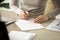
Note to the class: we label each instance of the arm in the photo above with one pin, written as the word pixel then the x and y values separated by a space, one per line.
pixel 14 7
pixel 54 13
pixel 45 17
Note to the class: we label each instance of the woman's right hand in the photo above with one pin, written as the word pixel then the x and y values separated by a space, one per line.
pixel 24 15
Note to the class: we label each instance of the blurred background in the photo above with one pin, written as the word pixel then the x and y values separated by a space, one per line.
pixel 49 5
pixel 5 4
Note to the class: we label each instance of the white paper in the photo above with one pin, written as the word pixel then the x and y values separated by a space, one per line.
pixel 17 35
pixel 7 20
pixel 55 25
pixel 58 16
pixel 28 24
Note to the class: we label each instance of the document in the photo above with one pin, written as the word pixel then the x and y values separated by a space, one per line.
pixel 55 25
pixel 7 20
pixel 28 24
pixel 17 35
pixel 58 16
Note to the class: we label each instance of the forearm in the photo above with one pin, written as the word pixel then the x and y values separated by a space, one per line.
pixel 54 13
pixel 14 7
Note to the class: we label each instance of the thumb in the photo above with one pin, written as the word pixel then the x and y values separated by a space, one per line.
pixel 27 13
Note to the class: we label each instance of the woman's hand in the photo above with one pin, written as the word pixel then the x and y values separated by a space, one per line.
pixel 24 15
pixel 41 18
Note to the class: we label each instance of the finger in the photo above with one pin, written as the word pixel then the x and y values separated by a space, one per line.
pixel 21 16
pixel 41 20
pixel 24 17
pixel 23 12
pixel 37 19
pixel 27 13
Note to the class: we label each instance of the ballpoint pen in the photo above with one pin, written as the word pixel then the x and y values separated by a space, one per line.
pixel 0 16
pixel 10 23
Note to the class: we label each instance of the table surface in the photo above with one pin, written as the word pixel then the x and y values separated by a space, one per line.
pixel 42 34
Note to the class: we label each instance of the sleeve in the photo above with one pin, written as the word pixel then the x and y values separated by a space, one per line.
pixel 54 13
pixel 14 7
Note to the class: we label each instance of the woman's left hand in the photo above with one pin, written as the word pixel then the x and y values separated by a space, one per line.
pixel 41 18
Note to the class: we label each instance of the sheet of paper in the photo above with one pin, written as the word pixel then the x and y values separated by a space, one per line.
pixel 28 24
pixel 55 25
pixel 58 16
pixel 17 35
pixel 7 20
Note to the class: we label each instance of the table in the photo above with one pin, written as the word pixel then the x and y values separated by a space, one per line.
pixel 42 34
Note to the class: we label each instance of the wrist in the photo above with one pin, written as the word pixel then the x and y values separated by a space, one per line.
pixel 47 16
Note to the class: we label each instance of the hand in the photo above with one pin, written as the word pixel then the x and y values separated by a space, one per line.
pixel 24 15
pixel 41 18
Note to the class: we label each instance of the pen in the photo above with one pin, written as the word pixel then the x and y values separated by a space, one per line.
pixel 10 23
pixel 0 16
pixel 24 11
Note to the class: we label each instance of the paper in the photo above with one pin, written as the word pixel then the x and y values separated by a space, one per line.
pixel 55 25
pixel 17 35
pixel 7 20
pixel 58 16
pixel 28 24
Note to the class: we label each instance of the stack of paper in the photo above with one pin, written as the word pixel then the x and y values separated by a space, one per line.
pixel 28 25
pixel 55 25
pixel 17 35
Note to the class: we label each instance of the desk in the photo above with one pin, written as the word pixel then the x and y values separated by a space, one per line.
pixel 42 34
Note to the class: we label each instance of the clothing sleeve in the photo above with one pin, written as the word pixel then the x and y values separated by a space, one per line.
pixel 54 13
pixel 13 6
